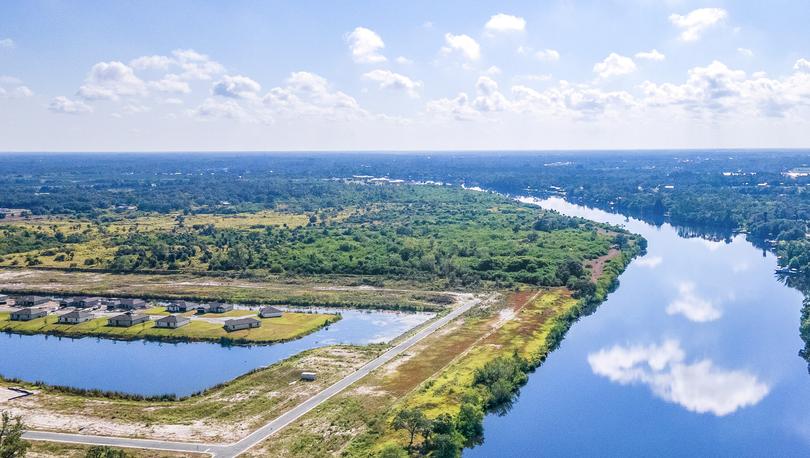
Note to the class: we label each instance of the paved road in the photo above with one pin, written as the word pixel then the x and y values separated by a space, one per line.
pixel 249 441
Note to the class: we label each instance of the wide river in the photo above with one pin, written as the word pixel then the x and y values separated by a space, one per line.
pixel 154 368
pixel 695 354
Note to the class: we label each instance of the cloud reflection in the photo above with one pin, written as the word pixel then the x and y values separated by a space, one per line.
pixel 692 306
pixel 698 387
pixel 650 261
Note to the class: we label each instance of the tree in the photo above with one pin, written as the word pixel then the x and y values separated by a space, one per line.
pixel 12 444
pixel 411 420
pixel 392 451
pixel 470 423
pixel 104 451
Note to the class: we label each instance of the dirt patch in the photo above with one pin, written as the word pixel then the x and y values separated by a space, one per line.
pixel 598 265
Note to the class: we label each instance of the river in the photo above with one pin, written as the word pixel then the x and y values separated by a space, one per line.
pixel 156 368
pixel 695 354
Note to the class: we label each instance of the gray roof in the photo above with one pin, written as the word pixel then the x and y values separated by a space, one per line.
pixel 77 314
pixel 128 316
pixel 133 301
pixel 30 311
pixel 242 321
pixel 173 319
pixel 270 309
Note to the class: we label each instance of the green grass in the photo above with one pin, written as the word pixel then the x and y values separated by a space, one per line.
pixel 289 326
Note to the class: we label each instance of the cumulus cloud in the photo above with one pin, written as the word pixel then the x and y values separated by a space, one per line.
pixel 365 46
pixel 196 66
pixel 309 94
pixel 505 23
pixel 236 87
pixel 653 55
pixel 151 63
pixel 463 44
pixel 65 105
pixel 111 80
pixel 402 60
pixel 13 88
pixel 547 55
pixel 698 387
pixel 698 21
pixel 692 306
pixel 745 52
pixel 171 83
pixel 390 80
pixel 7 43
pixel 614 65
pixel 802 65
pixel 228 109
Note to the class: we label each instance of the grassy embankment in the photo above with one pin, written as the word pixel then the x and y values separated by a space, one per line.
pixel 289 326
pixel 438 374
pixel 40 449
pixel 223 413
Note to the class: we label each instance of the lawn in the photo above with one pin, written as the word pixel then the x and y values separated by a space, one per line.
pixel 287 327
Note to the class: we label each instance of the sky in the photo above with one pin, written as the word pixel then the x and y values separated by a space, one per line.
pixel 393 76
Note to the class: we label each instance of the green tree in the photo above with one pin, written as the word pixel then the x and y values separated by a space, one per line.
pixel 411 420
pixel 470 423
pixel 392 451
pixel 12 444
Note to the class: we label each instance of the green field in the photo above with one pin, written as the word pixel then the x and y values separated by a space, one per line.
pixel 287 327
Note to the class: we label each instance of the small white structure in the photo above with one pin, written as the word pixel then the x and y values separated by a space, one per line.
pixel 308 376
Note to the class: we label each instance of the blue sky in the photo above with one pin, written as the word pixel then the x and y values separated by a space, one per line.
pixel 250 75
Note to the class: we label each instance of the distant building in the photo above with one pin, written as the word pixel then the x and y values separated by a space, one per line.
pixel 75 317
pixel 32 301
pixel 172 322
pixel 308 376
pixel 28 314
pixel 203 308
pixel 242 323
pixel 127 319
pixel 3 299
pixel 269 312
pixel 132 304
pixel 88 302
pixel 181 306
pixel 219 307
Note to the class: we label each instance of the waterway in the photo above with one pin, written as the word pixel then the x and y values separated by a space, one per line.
pixel 695 354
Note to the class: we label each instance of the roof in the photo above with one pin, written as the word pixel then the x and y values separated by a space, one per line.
pixel 128 316
pixel 77 314
pixel 270 309
pixel 173 319
pixel 242 321
pixel 132 301
pixel 33 299
pixel 30 311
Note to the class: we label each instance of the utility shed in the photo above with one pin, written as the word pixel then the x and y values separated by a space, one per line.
pixel 75 317
pixel 127 319
pixel 308 376
pixel 172 322
pixel 28 314
pixel 241 323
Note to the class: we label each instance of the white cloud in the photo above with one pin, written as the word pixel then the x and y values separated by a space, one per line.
pixel 63 104
pixel 698 387
pixel 463 44
pixel 505 23
pixel 402 60
pixel 692 306
pixel 309 94
pixel 151 63
pixel 365 45
pixel 650 261
pixel 493 71
pixel 547 55
pixel 236 87
pixel 390 80
pixel 196 66
pixel 802 65
pixel 698 21
pixel 212 108
pixel 13 88
pixel 653 55
pixel 614 65
pixel 111 80
pixel 171 83
pixel 7 43
pixel 745 52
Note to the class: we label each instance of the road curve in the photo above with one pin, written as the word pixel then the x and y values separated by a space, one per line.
pixel 274 426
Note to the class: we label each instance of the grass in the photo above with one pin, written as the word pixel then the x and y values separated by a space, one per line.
pixel 287 327
pixel 62 450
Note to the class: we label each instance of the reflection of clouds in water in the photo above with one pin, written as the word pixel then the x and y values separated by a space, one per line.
pixel 650 261
pixel 740 266
pixel 692 306
pixel 698 387
pixel 709 244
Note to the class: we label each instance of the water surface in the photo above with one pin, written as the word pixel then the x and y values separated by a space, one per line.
pixel 695 354
pixel 155 368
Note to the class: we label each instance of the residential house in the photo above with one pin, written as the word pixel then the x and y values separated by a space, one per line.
pixel 132 304
pixel 181 306
pixel 172 321
pixel 28 314
pixel 89 302
pixel 242 323
pixel 269 312
pixel 127 319
pixel 32 301
pixel 3 299
pixel 203 308
pixel 219 307
pixel 75 317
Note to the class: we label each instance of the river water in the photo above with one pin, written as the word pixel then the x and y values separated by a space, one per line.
pixel 156 368
pixel 695 354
